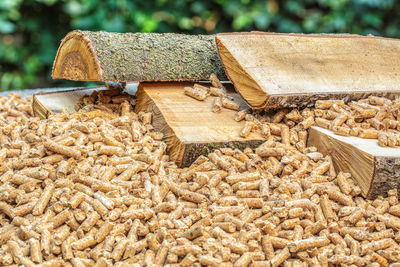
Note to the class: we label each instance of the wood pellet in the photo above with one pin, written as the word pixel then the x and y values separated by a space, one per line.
pixel 101 191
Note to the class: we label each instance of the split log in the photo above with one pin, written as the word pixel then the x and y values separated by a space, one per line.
pixel 105 56
pixel 46 103
pixel 376 169
pixel 189 126
pixel 294 70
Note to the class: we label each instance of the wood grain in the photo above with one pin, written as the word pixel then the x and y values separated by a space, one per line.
pixel 287 70
pixel 45 103
pixel 375 169
pixel 189 126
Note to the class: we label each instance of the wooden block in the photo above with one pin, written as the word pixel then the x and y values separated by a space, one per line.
pixel 292 70
pixel 106 56
pixel 44 103
pixel 376 169
pixel 189 126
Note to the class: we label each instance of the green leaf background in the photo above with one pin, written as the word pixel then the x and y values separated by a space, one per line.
pixel 31 30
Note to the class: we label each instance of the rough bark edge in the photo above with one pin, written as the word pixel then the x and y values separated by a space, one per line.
pixel 83 38
pixel 308 100
pixel 193 151
pixel 386 176
pixel 312 35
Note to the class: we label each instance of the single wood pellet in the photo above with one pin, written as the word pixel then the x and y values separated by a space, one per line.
pixel 221 100
pixel 100 191
pixel 198 93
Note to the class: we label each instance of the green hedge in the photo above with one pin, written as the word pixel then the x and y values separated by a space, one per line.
pixel 31 30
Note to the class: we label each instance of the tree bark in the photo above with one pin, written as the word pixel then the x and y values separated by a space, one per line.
pixel 105 56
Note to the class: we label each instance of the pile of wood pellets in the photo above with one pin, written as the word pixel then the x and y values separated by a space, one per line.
pixel 370 118
pixel 95 188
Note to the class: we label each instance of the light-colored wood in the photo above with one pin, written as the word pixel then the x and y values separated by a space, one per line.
pixel 44 103
pixel 287 70
pixel 376 169
pixel 77 60
pixel 106 56
pixel 189 126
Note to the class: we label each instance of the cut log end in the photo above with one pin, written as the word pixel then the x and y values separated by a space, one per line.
pixel 76 59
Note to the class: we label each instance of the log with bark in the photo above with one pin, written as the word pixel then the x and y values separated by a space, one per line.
pixel 375 169
pixel 189 126
pixel 105 56
pixel 293 70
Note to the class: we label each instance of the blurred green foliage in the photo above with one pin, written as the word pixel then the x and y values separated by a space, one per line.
pixel 31 30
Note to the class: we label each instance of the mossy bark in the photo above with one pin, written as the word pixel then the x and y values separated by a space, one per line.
pixel 387 176
pixel 105 56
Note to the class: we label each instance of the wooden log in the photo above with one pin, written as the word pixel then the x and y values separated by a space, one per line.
pixel 375 169
pixel 189 126
pixel 294 70
pixel 105 56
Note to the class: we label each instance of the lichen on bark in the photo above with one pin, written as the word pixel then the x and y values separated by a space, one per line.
pixel 155 57
pixel 194 150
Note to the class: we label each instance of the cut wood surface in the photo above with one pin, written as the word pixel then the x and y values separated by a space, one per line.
pixel 288 70
pixel 105 56
pixel 376 169
pixel 189 126
pixel 43 103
